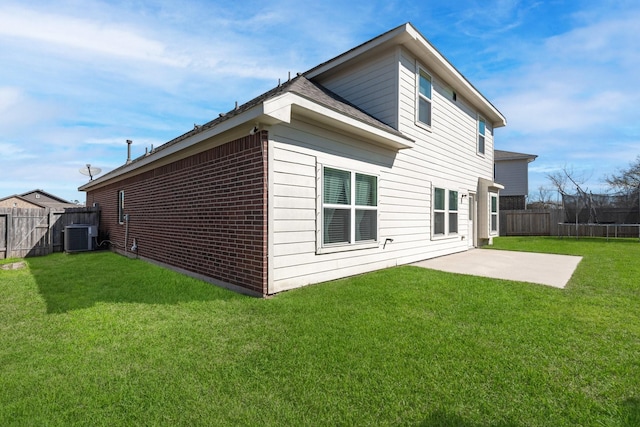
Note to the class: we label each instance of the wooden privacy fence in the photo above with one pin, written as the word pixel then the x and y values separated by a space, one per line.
pixel 531 222
pixel 36 232
pixel 550 222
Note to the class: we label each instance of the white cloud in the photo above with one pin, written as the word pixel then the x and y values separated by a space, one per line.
pixel 9 97
pixel 85 34
pixel 19 111
pixel 84 79
pixel 139 48
pixel 572 99
pixel 488 19
pixel 576 81
pixel 13 152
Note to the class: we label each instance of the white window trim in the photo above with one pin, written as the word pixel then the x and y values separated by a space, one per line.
pixel 321 248
pixel 493 232
pixel 420 69
pixel 484 135
pixel 121 207
pixel 446 211
pixel 450 211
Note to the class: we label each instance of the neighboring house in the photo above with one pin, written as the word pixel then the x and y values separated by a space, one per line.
pixel 17 201
pixel 512 171
pixel 379 157
pixel 35 199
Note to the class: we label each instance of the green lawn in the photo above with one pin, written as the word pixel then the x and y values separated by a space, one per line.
pixel 97 339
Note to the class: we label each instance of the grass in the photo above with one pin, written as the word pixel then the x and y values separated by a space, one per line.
pixel 98 339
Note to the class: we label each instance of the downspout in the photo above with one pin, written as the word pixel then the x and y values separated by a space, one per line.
pixel 126 232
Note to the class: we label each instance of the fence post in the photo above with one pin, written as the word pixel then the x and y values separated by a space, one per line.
pixel 4 227
pixel 9 234
pixel 50 232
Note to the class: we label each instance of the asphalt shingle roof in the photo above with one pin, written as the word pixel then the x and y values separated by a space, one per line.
pixel 299 85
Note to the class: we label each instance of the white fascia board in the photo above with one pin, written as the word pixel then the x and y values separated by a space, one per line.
pixel 407 35
pixel 444 69
pixel 335 119
pixel 277 110
pixel 270 112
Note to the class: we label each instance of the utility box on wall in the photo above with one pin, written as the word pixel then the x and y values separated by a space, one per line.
pixel 80 237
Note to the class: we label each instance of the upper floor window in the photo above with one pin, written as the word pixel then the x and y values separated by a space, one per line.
pixel 481 132
pixel 121 206
pixel 424 98
pixel 349 207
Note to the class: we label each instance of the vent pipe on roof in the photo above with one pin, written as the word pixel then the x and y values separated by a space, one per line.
pixel 129 142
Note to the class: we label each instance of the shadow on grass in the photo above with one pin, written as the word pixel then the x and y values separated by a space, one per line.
pixel 631 412
pixel 443 418
pixel 629 409
pixel 70 282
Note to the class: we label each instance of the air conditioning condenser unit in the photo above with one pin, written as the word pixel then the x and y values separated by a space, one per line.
pixel 80 237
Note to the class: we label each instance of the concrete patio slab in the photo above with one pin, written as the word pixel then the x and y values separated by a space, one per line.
pixel 544 269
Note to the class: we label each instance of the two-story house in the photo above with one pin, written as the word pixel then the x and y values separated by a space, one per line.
pixel 379 157
pixel 512 172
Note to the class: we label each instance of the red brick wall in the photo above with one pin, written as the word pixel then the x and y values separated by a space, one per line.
pixel 206 213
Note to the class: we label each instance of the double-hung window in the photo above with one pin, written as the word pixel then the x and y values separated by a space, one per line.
pixel 349 207
pixel 445 212
pixel 494 212
pixel 424 98
pixel 439 211
pixel 453 212
pixel 482 127
pixel 121 207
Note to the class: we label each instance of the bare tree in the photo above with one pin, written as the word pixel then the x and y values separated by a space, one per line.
pixel 626 181
pixel 543 198
pixel 562 179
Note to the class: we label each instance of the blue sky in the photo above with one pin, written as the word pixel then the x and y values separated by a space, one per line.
pixel 79 77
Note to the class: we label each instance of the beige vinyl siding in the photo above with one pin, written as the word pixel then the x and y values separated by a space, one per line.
pixel 372 86
pixel 403 197
pixel 444 156
pixel 449 147
pixel 513 174
pixel 294 217
pixel 446 152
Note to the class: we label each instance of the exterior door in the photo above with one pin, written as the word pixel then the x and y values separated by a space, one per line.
pixel 471 222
